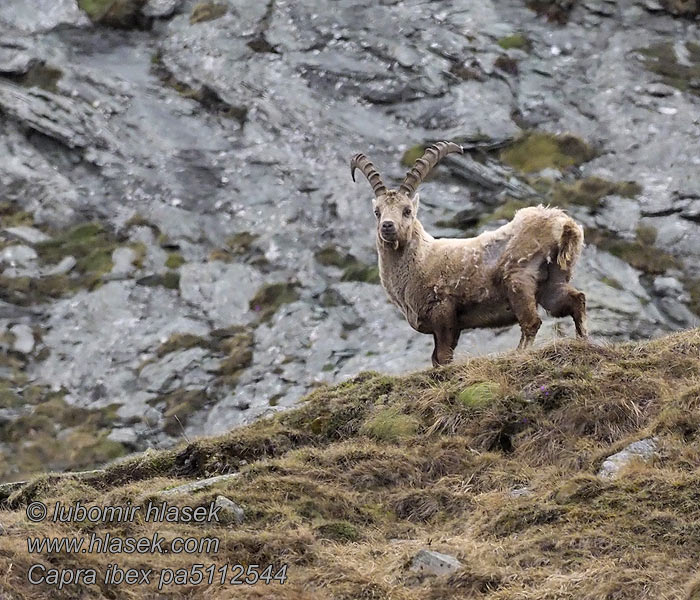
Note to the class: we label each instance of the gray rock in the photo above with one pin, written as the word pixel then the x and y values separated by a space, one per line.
pixel 230 511
pixel 160 8
pixel 196 486
pixel 18 255
pixel 520 492
pixel 660 90
pixel 692 210
pixel 174 371
pixel 221 290
pixel 124 435
pixel 65 265
pixel 123 259
pixel 668 286
pixel 429 562
pixel 641 450
pixel 27 234
pixel 24 338
pixel 653 5
pixel 35 16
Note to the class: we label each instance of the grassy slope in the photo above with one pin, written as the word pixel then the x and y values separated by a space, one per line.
pixel 350 485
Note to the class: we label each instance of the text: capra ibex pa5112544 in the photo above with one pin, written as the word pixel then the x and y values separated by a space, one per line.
pixel 444 286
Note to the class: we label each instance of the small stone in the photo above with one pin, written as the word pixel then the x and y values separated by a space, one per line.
pixel 123 259
pixel 653 5
pixel 123 435
pixel 668 110
pixel 160 8
pixel 434 563
pixel 196 486
pixel 30 235
pixel 668 286
pixel 642 449
pixel 551 173
pixel 519 492
pixel 18 255
pixel 660 90
pixel 66 265
pixel 24 338
pixel 692 211
pixel 230 511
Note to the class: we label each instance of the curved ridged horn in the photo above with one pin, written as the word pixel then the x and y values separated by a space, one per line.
pixel 419 171
pixel 360 161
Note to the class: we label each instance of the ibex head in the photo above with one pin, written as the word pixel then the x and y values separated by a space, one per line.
pixel 396 209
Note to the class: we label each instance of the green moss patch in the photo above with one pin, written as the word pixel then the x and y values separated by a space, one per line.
pixel 90 244
pixel 178 406
pixel 661 59
pixel 340 531
pixel 412 155
pixel 270 297
pixel 640 252
pixel 51 434
pixel 353 269
pixel 516 40
pixel 590 191
pixel 390 425
pixel 237 345
pixel 207 11
pixel 478 395
pixel 114 13
pixel 174 260
pixel 537 150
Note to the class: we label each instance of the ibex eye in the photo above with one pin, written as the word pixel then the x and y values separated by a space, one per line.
pixel 406 212
pixel 376 212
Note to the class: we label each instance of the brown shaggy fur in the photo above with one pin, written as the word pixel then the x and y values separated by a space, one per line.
pixel 444 286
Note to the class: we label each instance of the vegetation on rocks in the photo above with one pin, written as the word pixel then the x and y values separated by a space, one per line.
pixel 370 471
pixel 50 434
pixel 39 75
pixel 641 252
pixel 114 13
pixel 663 60
pixel 537 150
pixel 270 297
pixel 207 11
pixel 516 40
pixel 353 269
pixel 558 11
pixel 89 244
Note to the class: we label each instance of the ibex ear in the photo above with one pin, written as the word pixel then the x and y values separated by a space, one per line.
pixel 416 203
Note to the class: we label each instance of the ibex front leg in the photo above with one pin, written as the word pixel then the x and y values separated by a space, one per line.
pixel 446 339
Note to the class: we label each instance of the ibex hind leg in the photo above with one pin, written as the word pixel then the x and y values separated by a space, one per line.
pixel 561 299
pixel 521 296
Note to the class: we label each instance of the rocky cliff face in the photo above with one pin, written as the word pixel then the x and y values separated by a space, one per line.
pixel 183 249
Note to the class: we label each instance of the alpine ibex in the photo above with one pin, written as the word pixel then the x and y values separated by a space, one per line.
pixel 498 278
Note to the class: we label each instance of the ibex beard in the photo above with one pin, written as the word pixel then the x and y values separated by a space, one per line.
pixel 444 286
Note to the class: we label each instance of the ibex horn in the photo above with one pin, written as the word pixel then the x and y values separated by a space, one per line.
pixel 360 161
pixel 419 171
